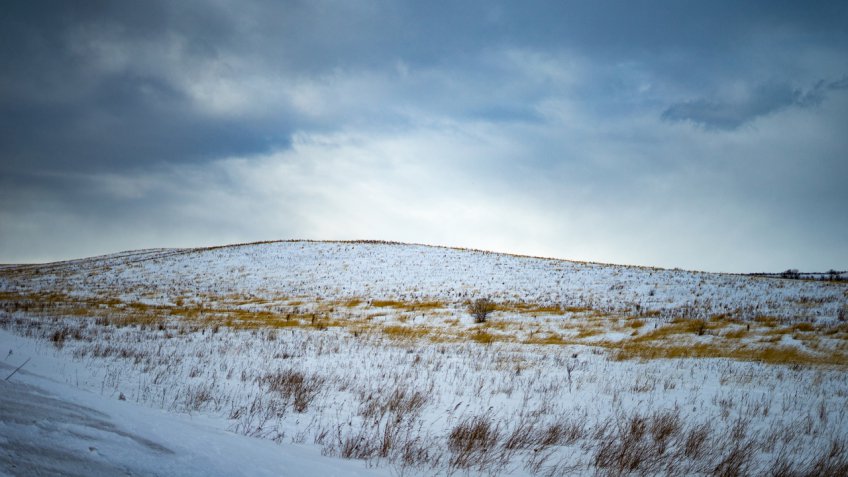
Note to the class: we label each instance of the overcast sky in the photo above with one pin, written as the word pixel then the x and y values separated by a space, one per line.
pixel 704 135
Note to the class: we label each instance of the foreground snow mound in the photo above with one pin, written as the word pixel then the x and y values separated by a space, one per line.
pixel 51 429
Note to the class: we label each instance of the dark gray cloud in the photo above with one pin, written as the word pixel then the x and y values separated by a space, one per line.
pixel 730 114
pixel 61 107
pixel 98 84
pixel 170 123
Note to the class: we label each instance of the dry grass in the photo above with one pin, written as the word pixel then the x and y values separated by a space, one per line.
pixel 388 303
pixel 390 412
pixel 537 309
pixel 405 332
pixel 352 303
pixel 410 306
pixel 680 327
pixel 735 334
pixel 804 327
pixel 483 337
pixel 762 339
pixel 294 385
pixel 588 332
pixel 771 354
pixel 547 339
pixel 402 403
pixel 420 387
pixel 472 442
pixel 769 321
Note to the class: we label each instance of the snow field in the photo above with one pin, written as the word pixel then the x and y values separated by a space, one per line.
pixel 500 408
pixel 366 351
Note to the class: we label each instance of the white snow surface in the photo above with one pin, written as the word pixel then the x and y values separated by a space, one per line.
pixel 48 427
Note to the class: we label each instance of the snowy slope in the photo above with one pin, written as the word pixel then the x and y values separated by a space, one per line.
pixel 339 270
pixel 366 351
pixel 51 428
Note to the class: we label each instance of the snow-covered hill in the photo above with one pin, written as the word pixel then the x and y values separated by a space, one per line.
pixel 389 271
pixel 367 351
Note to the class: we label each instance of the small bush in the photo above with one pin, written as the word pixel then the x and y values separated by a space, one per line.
pixel 480 309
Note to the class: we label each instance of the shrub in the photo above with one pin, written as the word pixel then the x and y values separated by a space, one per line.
pixel 480 309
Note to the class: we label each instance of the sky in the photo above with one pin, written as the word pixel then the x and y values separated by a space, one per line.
pixel 700 135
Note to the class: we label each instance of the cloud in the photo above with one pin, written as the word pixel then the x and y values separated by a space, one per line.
pixel 546 127
pixel 94 87
pixel 731 113
pixel 481 184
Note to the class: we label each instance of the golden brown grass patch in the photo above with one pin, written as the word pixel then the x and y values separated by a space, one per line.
pixel 424 305
pixel 484 337
pixel 588 332
pixel 769 321
pixel 804 327
pixel 407 306
pixel 536 308
pixel 779 331
pixel 676 327
pixel 387 304
pixel 735 334
pixel 139 319
pixel 352 303
pixel 502 325
pixel 772 354
pixel 548 339
pixel 405 332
